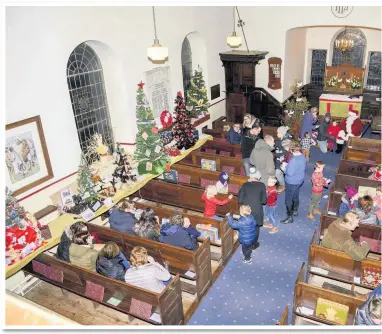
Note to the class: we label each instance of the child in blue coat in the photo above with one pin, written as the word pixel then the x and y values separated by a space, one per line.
pixel 234 134
pixel 246 225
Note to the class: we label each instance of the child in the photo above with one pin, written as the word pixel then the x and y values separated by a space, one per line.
pixel 122 217
pixel 179 233
pixel 305 145
pixel 234 134
pixel 377 209
pixel 332 132
pixel 340 141
pixel 211 202
pixel 246 225
pixel 364 211
pixel 270 208
pixel 376 176
pixel 222 184
pixel 350 203
pixel 318 183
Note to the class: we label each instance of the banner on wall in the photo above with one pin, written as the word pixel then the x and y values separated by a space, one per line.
pixel 274 73
pixel 158 89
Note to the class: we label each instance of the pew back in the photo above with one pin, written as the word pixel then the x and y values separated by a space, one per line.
pixel 365 144
pixel 362 156
pixel 343 180
pixel 348 167
pixel 222 148
pixel 77 280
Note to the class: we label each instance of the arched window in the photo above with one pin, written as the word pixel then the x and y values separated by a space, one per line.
pixel 88 96
pixel 186 64
pixel 356 55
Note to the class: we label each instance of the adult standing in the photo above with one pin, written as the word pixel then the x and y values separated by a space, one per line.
pixel 294 178
pixel 308 122
pixel 282 133
pixel 322 138
pixel 351 126
pixel 248 142
pixel 254 194
pixel 262 158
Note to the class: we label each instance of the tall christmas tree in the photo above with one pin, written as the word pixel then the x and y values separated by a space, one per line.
pixel 196 99
pixel 149 147
pixel 183 131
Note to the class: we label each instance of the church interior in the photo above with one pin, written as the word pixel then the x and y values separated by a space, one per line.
pixel 192 166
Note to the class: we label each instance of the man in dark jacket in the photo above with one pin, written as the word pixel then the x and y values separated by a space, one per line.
pixel 122 220
pixel 248 142
pixel 179 233
pixel 254 194
pixel 322 137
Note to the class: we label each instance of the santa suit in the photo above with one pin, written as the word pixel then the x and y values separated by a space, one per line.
pixel 352 125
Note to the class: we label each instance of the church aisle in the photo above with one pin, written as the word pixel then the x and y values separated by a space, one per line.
pixel 257 294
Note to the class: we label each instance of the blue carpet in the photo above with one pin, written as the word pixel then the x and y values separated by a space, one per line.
pixel 257 294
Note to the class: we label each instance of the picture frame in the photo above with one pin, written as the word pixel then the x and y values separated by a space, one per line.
pixel 26 155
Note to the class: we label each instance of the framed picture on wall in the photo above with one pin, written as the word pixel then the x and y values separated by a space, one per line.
pixel 26 155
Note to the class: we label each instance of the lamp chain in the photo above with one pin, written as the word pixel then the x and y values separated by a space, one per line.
pixel 241 23
pixel 234 25
pixel 155 26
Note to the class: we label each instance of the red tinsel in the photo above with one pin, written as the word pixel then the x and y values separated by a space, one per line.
pixel 172 151
pixel 166 114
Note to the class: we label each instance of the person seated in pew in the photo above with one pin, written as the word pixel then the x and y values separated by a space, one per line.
pixel 364 211
pixel 111 262
pixel 377 208
pixel 338 237
pixel 376 173
pixel 211 202
pixel 369 313
pixel 179 232
pixel 82 252
pixel 246 225
pixel 349 201
pixel 145 272
pixel 122 217
pixel 66 240
pixel 148 225
pixel 234 134
pixel 222 184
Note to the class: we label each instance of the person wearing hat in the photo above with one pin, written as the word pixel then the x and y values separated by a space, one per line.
pixel 349 201
pixel 322 138
pixel 254 194
pixel 352 125
pixel 222 184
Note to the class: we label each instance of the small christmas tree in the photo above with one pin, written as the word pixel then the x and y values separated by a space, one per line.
pixel 14 212
pixel 196 99
pixel 124 171
pixel 85 185
pixel 149 147
pixel 183 131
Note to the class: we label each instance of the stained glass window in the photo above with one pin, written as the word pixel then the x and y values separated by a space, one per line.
pixel 373 81
pixel 88 96
pixel 317 73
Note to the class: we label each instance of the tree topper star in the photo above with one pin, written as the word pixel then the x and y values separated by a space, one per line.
pixel 140 85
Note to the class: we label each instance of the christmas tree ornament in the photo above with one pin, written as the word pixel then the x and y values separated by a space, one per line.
pixel 154 130
pixel 148 153
pixel 145 135
pixel 157 149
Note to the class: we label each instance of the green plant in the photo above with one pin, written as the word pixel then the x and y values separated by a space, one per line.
pixel 355 83
pixel 296 106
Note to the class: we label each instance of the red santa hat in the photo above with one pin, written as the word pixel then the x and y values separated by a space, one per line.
pixel 352 112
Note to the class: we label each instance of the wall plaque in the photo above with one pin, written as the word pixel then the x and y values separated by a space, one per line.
pixel 274 73
pixel 158 89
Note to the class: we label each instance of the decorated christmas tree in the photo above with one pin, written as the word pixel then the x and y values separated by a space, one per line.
pixel 85 185
pixel 14 212
pixel 183 131
pixel 149 147
pixel 196 99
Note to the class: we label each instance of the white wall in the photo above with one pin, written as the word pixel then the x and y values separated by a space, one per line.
pixel 39 41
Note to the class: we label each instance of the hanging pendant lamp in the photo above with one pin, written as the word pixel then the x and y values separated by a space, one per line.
pixel 157 52
pixel 234 41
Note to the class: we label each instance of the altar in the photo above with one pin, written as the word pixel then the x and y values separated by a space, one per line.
pixel 339 105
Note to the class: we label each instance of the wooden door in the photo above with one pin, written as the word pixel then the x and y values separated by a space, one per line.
pixel 236 107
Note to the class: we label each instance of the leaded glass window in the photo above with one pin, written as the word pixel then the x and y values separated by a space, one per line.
pixel 373 81
pixel 88 96
pixel 317 74
pixel 186 64
pixel 356 55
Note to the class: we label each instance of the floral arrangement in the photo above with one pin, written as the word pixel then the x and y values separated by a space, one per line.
pixel 333 81
pixel 355 83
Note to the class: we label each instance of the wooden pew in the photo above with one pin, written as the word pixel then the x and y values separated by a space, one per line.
pixel 343 180
pixel 201 177
pixel 368 231
pixel 219 125
pixel 348 167
pixel 306 295
pixel 365 144
pixel 228 164
pixel 180 260
pixel 340 266
pixel 284 318
pixel 180 195
pixel 222 148
pixel 362 156
pixel 168 303
pixel 226 234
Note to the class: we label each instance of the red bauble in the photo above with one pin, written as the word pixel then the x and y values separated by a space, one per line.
pixel 180 94
pixel 154 130
pixel 168 167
